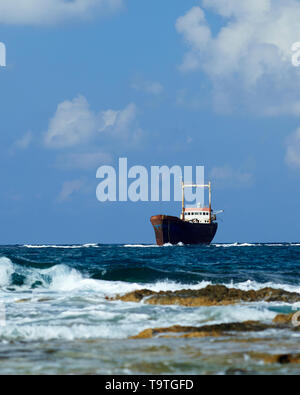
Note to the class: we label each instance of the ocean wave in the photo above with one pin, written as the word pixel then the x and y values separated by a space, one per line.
pixel 66 279
pixel 255 244
pixel 61 246
pixel 153 245
pixel 110 321
pixel 63 278
pixel 180 244
pixel 59 332
pixel 120 325
pixel 237 245
pixel 140 245
pixel 225 245
pixel 6 271
pixel 63 303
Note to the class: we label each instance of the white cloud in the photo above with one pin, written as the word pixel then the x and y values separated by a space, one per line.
pixel 195 30
pixel 38 12
pixel 74 124
pixel 122 125
pixel 226 176
pixel 88 139
pixel 24 142
pixel 251 8
pixel 109 118
pixel 249 59
pixel 292 156
pixel 69 188
pixel 83 160
pixel 119 122
pixel 151 87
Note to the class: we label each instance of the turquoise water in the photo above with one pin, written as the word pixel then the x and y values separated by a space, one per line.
pixel 58 319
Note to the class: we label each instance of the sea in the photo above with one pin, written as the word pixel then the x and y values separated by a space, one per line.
pixel 58 313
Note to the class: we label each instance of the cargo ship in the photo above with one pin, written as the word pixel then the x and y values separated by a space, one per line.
pixel 195 226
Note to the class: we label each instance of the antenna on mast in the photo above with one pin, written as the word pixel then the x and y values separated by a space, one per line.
pixel 196 186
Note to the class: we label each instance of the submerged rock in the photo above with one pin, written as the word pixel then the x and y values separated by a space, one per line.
pixel 281 321
pixel 205 330
pixel 41 300
pixel 23 300
pixel 283 318
pixel 212 295
pixel 277 358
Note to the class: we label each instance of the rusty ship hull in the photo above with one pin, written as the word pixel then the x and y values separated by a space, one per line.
pixel 173 230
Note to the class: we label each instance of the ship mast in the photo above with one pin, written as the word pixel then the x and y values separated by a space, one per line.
pixel 182 185
pixel 196 186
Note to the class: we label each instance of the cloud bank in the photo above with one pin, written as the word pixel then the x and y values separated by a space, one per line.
pixel 248 61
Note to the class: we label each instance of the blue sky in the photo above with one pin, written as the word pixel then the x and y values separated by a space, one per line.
pixel 182 82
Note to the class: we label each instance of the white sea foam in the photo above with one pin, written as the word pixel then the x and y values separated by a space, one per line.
pixel 236 245
pixel 90 245
pixel 282 245
pixel 153 245
pixel 6 270
pixel 140 245
pixel 63 332
pixel 95 245
pixel 66 279
pixel 256 244
pixel 60 245
pixel 256 286
pixel 180 244
pixel 110 321
pixel 243 286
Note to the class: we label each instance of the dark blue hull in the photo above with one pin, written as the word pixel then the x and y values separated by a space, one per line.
pixel 173 230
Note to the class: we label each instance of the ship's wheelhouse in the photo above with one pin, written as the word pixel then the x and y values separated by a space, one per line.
pixel 197 215
pixel 203 215
pixel 200 215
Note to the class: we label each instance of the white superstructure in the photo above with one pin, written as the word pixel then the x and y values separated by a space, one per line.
pixel 203 215
pixel 197 215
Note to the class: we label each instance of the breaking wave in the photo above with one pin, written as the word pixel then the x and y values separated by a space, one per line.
pixel 63 278
pixel 61 292
pixel 256 245
pixel 61 246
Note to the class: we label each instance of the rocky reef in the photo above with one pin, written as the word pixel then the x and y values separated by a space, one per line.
pixel 212 295
pixel 281 321
pixel 234 332
pixel 282 359
pixel 202 331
